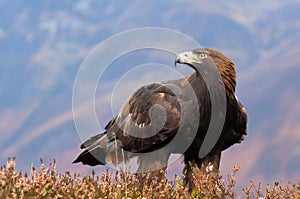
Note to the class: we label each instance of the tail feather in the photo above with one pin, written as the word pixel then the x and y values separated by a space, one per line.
pixel 95 152
pixel 92 140
pixel 92 158
pixel 100 151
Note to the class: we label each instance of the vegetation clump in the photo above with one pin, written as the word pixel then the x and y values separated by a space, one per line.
pixel 46 183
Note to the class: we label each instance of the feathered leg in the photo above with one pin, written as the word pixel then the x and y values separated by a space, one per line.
pixel 207 164
pixel 188 176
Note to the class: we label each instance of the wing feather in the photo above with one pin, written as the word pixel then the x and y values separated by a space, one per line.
pixel 239 126
pixel 133 123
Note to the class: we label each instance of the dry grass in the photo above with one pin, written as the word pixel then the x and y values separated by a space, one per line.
pixel 46 183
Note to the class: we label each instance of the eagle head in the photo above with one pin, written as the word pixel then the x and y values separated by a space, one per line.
pixel 207 61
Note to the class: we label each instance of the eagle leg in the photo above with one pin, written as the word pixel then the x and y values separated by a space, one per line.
pixel 210 163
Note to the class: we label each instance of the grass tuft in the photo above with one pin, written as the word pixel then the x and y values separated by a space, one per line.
pixel 45 182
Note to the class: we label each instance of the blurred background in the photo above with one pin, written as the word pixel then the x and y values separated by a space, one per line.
pixel 43 43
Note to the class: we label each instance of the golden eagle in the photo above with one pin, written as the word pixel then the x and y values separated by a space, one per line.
pixel 139 128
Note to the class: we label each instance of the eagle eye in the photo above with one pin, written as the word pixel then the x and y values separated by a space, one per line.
pixel 202 55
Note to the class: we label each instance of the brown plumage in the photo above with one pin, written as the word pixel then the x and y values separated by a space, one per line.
pixel 140 129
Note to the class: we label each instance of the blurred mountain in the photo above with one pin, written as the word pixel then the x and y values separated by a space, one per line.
pixel 43 43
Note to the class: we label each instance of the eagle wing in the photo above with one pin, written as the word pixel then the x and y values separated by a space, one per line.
pixel 239 130
pixel 148 121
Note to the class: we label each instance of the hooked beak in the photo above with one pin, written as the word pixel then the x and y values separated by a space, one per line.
pixel 184 58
